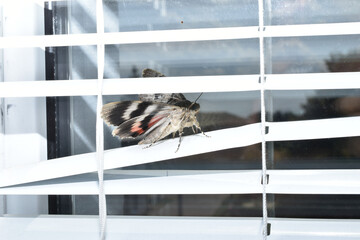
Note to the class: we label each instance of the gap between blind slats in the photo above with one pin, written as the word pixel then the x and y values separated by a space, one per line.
pixel 182 35
pixel 191 145
pixel 200 182
pixel 161 228
pixel 227 83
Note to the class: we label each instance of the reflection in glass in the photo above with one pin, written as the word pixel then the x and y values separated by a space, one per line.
pixel 244 205
pixel 138 15
pixel 313 54
pixel 316 206
pixel 288 12
pixel 340 153
pixel 229 57
pixel 332 153
pixel 313 104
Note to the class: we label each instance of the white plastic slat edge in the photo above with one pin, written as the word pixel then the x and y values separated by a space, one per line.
pixel 206 182
pixel 221 139
pixel 171 228
pixel 132 155
pixel 312 29
pixel 130 86
pixel 312 81
pixel 197 183
pixel 229 83
pixel 135 228
pixel 314 129
pixel 337 181
pixel 182 35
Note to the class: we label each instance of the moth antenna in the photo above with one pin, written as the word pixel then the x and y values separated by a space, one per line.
pixel 198 97
pixel 196 100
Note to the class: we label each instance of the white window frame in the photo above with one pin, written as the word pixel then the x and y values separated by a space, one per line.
pixel 172 182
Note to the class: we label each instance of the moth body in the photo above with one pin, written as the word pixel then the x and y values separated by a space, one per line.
pixel 153 117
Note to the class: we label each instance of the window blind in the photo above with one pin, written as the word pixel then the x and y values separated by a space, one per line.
pixel 47 177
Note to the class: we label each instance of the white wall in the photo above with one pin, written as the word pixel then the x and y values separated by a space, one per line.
pixel 24 119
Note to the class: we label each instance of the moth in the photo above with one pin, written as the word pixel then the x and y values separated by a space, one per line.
pixel 153 117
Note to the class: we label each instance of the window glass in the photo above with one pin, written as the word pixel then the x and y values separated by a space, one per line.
pixel 229 57
pixel 75 117
pixel 313 54
pixel 330 153
pixel 245 205
pixel 139 15
pixel 313 104
pixel 315 206
pixel 288 12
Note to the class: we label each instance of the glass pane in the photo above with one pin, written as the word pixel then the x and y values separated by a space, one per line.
pixel 313 104
pixel 138 15
pixel 246 205
pixel 313 54
pixel 287 12
pixel 316 206
pixel 332 153
pixel 294 105
pixel 184 58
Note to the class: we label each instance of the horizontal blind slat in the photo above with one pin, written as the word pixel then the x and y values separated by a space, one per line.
pixel 221 83
pixel 125 182
pixel 132 155
pixel 220 139
pixel 161 228
pixel 181 35
pixel 130 86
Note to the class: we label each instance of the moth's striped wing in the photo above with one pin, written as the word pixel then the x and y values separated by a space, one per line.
pixel 115 113
pixel 136 118
pixel 141 126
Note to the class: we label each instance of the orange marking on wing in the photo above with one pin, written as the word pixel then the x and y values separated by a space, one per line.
pixel 154 120
pixel 136 128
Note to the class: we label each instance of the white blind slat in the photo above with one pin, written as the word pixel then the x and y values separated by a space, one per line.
pixel 171 228
pixel 313 81
pixel 201 182
pixel 225 83
pixel 191 145
pixel 182 35
pixel 132 155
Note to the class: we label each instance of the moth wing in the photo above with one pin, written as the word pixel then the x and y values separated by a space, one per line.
pixel 142 125
pixel 168 98
pixel 147 72
pixel 115 113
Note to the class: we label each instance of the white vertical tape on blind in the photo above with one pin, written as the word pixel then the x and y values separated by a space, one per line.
pixel 99 122
pixel 263 115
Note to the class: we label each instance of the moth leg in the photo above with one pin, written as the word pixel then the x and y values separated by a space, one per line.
pixel 180 134
pixel 198 127
pixel 195 130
